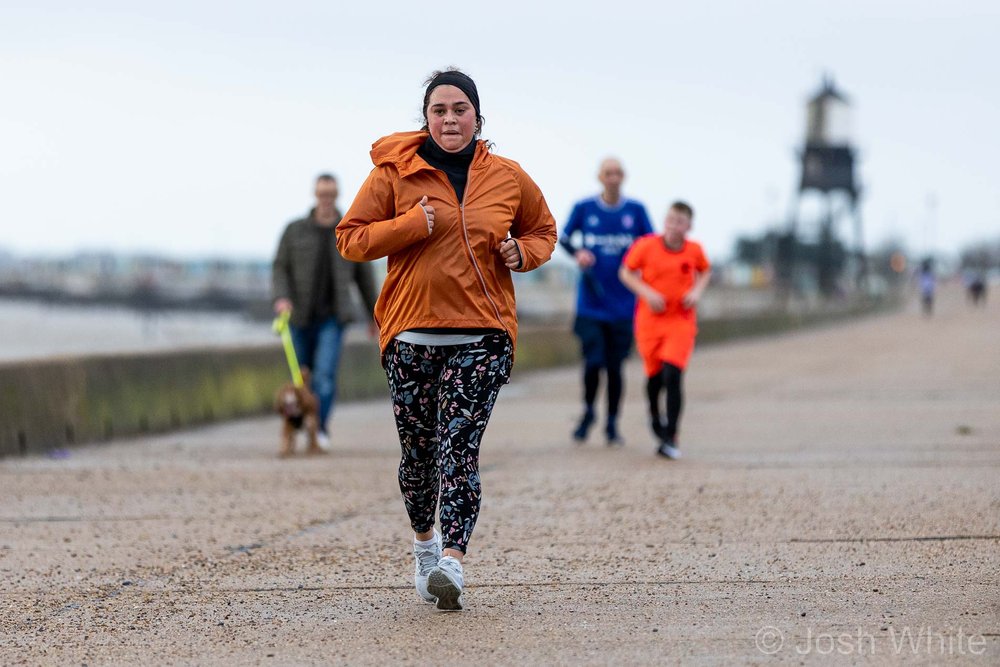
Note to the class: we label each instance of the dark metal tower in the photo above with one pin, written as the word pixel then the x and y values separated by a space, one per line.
pixel 828 174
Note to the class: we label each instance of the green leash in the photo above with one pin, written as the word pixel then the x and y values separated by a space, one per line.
pixel 281 327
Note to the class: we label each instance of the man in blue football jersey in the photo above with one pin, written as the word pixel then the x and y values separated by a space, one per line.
pixel 599 231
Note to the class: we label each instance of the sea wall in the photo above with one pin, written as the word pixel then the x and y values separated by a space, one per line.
pixel 51 404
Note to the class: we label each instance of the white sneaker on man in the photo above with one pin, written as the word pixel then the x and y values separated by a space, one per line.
pixel 323 440
pixel 427 558
pixel 445 582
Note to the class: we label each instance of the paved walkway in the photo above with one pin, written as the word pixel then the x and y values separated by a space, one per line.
pixel 839 500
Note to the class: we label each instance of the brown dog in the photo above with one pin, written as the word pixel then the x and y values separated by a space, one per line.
pixel 298 408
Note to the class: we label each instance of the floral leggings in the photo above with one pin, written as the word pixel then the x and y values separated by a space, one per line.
pixel 442 397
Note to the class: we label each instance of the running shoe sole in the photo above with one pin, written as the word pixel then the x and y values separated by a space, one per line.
pixel 449 596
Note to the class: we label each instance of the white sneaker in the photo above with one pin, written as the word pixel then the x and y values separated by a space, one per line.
pixel 323 440
pixel 445 583
pixel 669 450
pixel 427 559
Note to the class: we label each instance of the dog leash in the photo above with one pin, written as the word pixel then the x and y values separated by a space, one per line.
pixel 281 327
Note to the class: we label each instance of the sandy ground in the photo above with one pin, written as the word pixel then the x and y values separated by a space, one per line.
pixel 838 501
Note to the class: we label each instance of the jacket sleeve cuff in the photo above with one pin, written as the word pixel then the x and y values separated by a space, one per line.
pixel 520 255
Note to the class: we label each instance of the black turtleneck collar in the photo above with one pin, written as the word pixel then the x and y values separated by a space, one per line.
pixel 454 165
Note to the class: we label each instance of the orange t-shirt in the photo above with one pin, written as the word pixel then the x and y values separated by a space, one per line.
pixel 671 273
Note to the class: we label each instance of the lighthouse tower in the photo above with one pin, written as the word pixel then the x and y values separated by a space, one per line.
pixel 828 186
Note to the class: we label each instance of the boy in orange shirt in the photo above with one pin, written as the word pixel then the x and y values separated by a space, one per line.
pixel 668 273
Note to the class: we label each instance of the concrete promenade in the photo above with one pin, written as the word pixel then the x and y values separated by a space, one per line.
pixel 838 503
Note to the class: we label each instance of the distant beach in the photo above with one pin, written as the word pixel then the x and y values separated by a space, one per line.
pixel 42 330
pixel 36 330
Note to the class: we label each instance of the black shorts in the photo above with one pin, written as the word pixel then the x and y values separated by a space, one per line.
pixel 603 343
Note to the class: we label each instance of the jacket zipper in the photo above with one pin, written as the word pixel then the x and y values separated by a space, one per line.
pixel 472 255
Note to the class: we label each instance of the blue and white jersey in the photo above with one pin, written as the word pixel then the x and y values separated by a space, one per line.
pixel 608 232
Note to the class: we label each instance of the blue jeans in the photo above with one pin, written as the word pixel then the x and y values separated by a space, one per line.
pixel 317 347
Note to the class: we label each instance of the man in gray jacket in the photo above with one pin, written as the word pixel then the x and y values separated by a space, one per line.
pixel 312 282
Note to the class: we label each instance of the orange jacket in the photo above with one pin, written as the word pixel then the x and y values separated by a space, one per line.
pixel 454 276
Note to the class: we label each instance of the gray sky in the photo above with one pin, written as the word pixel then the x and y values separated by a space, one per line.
pixel 194 128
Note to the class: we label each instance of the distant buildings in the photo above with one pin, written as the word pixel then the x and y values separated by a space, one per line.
pixel 148 282
pixel 142 281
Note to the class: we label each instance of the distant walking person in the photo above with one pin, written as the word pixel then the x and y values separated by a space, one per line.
pixel 455 221
pixel 669 273
pixel 977 289
pixel 927 283
pixel 312 282
pixel 599 232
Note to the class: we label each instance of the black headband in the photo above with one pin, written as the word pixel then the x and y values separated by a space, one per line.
pixel 460 81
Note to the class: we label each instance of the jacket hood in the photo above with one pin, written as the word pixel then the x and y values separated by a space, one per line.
pixel 400 150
